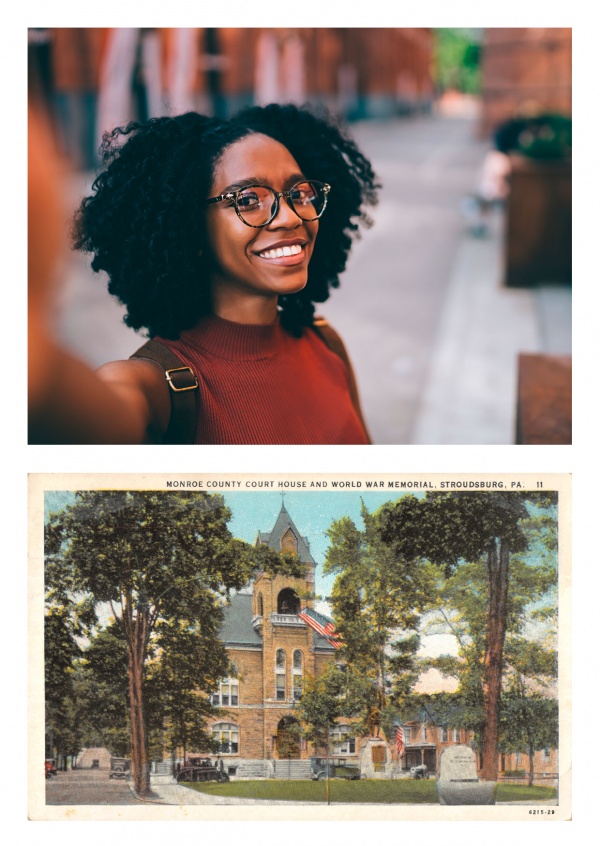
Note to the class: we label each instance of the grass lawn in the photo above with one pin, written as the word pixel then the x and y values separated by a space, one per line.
pixel 407 791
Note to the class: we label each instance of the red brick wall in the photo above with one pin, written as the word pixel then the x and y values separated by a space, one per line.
pixel 524 69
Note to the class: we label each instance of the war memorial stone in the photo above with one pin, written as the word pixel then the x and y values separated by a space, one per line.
pixel 457 782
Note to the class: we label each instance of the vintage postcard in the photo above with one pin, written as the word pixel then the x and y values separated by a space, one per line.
pixel 319 647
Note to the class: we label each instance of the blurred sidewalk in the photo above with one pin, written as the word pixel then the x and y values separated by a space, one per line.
pixel 433 334
pixel 469 394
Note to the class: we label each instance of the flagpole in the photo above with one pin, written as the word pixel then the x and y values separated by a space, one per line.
pixel 327 769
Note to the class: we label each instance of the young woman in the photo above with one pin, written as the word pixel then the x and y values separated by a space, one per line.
pixel 219 237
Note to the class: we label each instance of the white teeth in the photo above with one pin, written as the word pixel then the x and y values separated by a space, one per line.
pixel 282 251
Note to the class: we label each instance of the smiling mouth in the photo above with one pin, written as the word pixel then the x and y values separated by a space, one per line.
pixel 282 252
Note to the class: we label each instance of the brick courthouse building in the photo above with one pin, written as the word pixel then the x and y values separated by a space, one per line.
pixel 272 650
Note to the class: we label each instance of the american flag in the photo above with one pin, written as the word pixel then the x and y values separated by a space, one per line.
pixel 399 740
pixel 321 624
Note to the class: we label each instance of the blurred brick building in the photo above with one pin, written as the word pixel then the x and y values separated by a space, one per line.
pixel 357 72
pixel 524 71
pixel 96 79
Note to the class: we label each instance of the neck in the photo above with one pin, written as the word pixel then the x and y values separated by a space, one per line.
pixel 257 310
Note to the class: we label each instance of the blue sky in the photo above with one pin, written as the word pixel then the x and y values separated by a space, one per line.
pixel 312 512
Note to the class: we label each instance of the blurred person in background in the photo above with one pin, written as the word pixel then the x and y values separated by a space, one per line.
pixel 531 132
pixel 219 237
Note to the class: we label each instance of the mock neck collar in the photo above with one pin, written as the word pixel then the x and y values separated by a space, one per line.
pixel 235 341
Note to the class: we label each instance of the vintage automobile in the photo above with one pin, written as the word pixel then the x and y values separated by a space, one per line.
pixel 336 767
pixel 201 769
pixel 420 771
pixel 119 767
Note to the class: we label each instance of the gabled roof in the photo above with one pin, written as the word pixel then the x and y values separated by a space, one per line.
pixel 282 524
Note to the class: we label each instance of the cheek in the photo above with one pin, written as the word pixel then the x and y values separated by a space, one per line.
pixel 314 231
pixel 223 240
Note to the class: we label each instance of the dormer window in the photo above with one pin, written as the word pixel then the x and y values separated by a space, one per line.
pixel 289 542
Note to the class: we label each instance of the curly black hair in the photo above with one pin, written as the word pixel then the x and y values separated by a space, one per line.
pixel 144 222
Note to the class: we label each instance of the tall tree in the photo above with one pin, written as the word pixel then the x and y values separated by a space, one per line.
pixel 446 529
pixel 101 691
pixel 529 715
pixel 153 557
pixel 377 597
pixel 60 651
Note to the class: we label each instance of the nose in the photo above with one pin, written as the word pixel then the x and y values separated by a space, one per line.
pixel 285 218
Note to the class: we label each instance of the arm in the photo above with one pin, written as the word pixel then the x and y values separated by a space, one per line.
pixel 124 402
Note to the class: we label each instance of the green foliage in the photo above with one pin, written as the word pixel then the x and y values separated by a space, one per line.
pixel 547 136
pixel 457 60
pixel 165 563
pixel 377 598
pixel 322 703
pixel 528 721
pixel 446 528
pixel 61 650
pixel 456 531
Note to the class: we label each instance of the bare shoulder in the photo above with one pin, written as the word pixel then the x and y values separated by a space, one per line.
pixel 142 382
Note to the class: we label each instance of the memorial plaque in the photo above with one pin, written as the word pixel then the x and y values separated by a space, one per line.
pixel 457 763
pixel 457 782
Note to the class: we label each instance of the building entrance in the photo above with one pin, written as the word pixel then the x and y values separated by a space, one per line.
pixel 287 741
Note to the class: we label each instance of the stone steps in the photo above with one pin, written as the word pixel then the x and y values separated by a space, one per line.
pixel 293 769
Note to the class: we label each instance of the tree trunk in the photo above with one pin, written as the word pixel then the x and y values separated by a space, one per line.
pixel 139 756
pixel 497 572
pixel 531 754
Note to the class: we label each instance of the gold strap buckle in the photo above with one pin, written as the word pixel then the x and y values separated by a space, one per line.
pixel 173 386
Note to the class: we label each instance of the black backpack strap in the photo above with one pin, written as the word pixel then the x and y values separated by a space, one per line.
pixel 183 384
pixel 332 340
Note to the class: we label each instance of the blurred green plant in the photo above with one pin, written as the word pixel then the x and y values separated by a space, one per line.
pixel 457 56
pixel 549 136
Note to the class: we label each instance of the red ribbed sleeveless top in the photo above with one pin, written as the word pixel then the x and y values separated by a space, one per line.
pixel 260 385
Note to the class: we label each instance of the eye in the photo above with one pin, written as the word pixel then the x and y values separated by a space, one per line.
pixel 303 194
pixel 248 200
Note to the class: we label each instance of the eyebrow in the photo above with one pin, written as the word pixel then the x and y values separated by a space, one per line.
pixel 260 180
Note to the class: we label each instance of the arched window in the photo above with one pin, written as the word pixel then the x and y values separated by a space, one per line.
pixel 288 602
pixel 227 736
pixel 259 605
pixel 280 675
pixel 297 672
pixel 341 743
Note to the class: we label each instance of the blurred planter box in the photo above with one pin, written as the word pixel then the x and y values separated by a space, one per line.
pixel 538 224
pixel 544 399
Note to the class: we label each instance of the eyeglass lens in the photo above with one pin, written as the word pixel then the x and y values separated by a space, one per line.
pixel 257 203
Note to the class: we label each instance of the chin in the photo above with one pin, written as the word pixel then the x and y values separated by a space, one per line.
pixel 293 287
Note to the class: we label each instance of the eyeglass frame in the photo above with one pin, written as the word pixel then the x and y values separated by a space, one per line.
pixel 233 195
